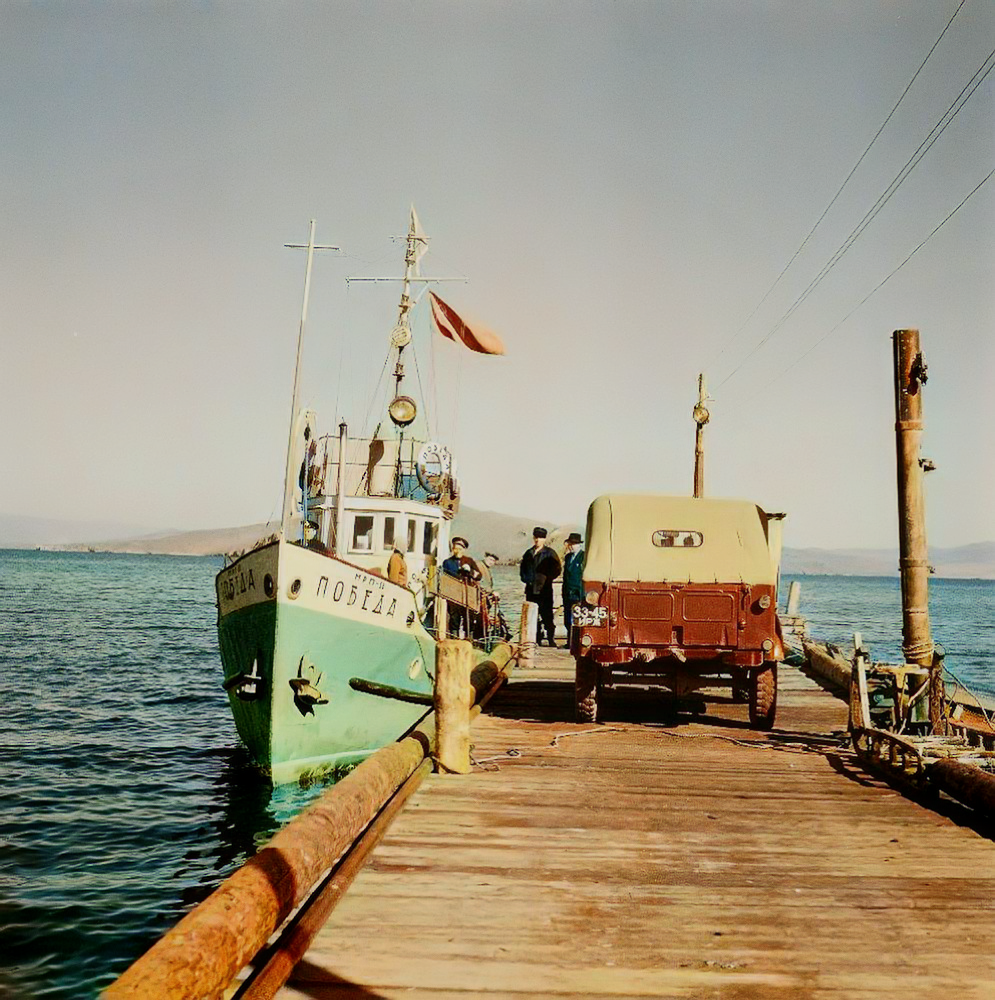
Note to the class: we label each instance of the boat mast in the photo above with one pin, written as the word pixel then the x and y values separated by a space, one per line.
pixel 401 335
pixel 288 483
pixel 402 409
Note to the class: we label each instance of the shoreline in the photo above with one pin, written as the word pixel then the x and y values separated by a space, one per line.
pixel 136 549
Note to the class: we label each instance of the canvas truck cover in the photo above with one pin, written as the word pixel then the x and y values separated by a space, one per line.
pixel 646 538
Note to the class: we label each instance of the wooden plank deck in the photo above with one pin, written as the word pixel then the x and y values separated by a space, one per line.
pixel 656 856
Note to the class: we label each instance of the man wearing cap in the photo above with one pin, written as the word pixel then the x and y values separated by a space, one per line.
pixel 486 578
pixel 463 567
pixel 573 578
pixel 539 567
pixel 459 564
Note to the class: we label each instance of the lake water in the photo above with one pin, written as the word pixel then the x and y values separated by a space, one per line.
pixel 126 798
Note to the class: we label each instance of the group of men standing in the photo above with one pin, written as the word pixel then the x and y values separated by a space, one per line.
pixel 539 567
pixel 463 566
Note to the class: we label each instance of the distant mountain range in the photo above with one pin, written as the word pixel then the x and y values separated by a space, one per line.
pixel 19 531
pixel 504 534
pixel 974 562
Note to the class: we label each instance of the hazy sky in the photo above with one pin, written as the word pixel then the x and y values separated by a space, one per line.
pixel 621 182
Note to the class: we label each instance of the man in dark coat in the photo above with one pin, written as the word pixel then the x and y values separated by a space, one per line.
pixel 573 578
pixel 539 567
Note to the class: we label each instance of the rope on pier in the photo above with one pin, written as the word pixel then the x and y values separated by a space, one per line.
pixel 483 762
pixel 842 742
pixel 554 742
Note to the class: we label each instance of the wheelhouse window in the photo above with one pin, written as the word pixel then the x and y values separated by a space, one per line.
pixel 362 533
pixel 388 533
pixel 429 537
pixel 412 534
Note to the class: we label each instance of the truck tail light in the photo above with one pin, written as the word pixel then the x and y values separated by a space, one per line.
pixel 592 597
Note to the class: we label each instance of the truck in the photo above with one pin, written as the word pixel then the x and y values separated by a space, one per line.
pixel 680 593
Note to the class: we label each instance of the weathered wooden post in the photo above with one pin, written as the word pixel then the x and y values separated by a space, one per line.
pixel 794 598
pixel 441 616
pixel 700 414
pixel 917 643
pixel 528 629
pixel 452 698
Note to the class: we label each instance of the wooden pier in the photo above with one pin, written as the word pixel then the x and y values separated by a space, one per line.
pixel 662 854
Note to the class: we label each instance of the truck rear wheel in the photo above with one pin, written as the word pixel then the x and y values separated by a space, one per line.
pixel 763 696
pixel 586 690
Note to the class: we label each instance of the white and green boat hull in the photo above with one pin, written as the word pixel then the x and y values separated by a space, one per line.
pixel 320 658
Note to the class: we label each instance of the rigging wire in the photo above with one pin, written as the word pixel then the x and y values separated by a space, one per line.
pixel 375 395
pixel 826 336
pixel 456 400
pixel 435 377
pixel 835 197
pixel 937 130
pixel 414 353
pixel 421 391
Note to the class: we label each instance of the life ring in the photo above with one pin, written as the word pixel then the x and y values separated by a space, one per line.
pixel 434 467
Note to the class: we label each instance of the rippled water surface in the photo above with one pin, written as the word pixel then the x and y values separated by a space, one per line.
pixel 125 796
pixel 962 614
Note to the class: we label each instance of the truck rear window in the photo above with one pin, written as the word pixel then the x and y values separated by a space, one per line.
pixel 668 538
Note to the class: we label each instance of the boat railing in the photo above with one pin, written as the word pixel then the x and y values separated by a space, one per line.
pixel 405 467
pixel 455 590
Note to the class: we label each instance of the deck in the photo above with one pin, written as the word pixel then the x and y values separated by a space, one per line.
pixel 662 856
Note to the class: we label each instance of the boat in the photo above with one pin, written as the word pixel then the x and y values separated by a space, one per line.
pixel 327 646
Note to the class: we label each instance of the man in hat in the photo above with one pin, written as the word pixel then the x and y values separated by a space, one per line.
pixel 573 578
pixel 539 567
pixel 486 577
pixel 459 563
pixel 463 567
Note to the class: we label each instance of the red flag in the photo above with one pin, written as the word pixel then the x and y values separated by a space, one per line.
pixel 450 324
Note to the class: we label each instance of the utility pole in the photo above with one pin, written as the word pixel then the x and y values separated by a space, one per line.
pixel 917 642
pixel 701 416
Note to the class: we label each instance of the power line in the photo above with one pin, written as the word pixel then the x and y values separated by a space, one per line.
pixel 935 132
pixel 846 181
pixel 885 280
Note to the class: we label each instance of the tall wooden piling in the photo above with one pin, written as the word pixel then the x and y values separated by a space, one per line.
pixel 917 642
pixel 441 615
pixel 453 697
pixel 794 598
